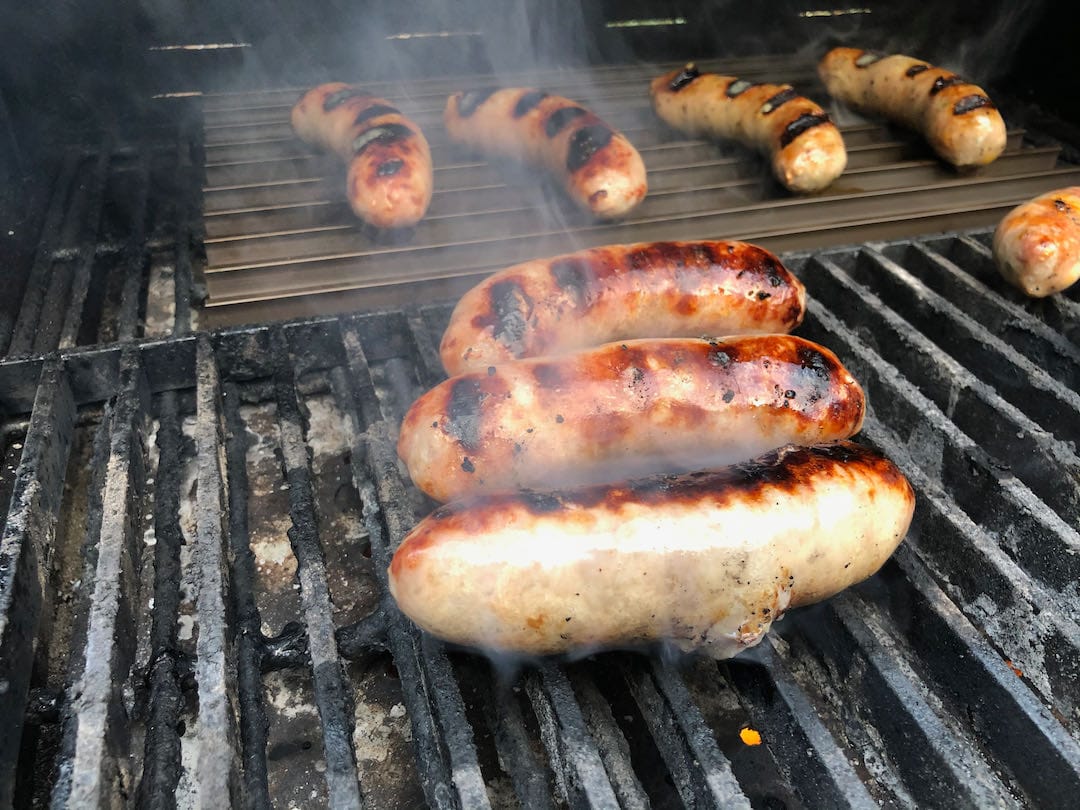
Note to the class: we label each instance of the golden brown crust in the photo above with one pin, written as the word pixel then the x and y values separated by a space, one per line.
pixel 1037 244
pixel 598 167
pixel 390 178
pixel 625 408
pixel 657 289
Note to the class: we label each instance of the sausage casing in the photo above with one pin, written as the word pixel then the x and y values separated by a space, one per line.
pixel 705 560
pixel 804 147
pixel 656 289
pixel 956 117
pixel 1037 244
pixel 390 177
pixel 599 169
pixel 624 409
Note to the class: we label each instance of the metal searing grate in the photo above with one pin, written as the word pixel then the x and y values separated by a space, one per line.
pixel 193 597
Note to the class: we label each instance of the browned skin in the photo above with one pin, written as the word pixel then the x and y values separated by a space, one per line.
pixel 626 408
pixel 609 183
pixel 395 199
pixel 1037 244
pixel 658 289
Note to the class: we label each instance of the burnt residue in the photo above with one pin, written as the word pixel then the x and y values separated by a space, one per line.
pixel 383 135
pixel 528 101
pixel 684 77
pixel 780 99
pixel 388 168
pixel 915 70
pixel 941 82
pixel 738 87
pixel 1061 205
pixel 559 118
pixel 541 502
pixel 814 361
pixel 470 100
pixel 574 277
pixel 374 111
pixel 969 103
pixel 585 143
pixel 465 411
pixel 800 125
pixel 339 97
pixel 510 307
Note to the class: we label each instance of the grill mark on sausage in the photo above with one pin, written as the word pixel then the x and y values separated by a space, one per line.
pixel 969 103
pixel 573 276
pixel 388 168
pixel 339 97
pixel 560 118
pixel 470 100
pixel 384 134
pixel 585 143
pixel 510 305
pixel 738 87
pixel 374 111
pixel 802 124
pixel 777 101
pixel 941 82
pixel 688 74
pixel 1061 205
pixel 528 101
pixel 915 70
pixel 464 412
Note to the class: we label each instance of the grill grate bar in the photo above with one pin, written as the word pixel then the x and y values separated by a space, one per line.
pixel 25 547
pixel 134 254
pixel 331 696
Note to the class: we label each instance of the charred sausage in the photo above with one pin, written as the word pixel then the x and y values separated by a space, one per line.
pixel 705 560
pixel 956 117
pixel 1037 244
pixel 598 167
pixel 659 289
pixel 623 409
pixel 804 147
pixel 390 179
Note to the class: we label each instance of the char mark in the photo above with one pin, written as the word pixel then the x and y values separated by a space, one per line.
pixel 969 103
pixel 464 412
pixel 800 125
pixel 738 87
pixel 528 101
pixel 469 101
pixel 1061 205
pixel 374 111
pixel 941 82
pixel 560 118
pixel 384 134
pixel 339 97
pixel 915 70
pixel 687 75
pixel 540 502
pixel 585 143
pixel 389 168
pixel 573 276
pixel 781 98
pixel 511 307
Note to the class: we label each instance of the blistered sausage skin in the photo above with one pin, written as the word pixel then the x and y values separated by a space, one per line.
pixel 804 147
pixel 1037 244
pixel 956 117
pixel 599 169
pixel 705 560
pixel 624 409
pixel 390 178
pixel 655 289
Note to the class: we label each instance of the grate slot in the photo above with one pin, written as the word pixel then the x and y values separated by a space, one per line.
pixel 134 256
pixel 25 547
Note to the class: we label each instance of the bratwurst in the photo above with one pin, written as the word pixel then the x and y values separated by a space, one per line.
pixel 658 289
pixel 390 178
pixel 956 117
pixel 804 147
pixel 705 560
pixel 625 409
pixel 1037 244
pixel 598 168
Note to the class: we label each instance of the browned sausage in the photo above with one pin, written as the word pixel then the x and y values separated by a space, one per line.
pixel 659 289
pixel 1037 244
pixel 626 409
pixel 805 148
pixel 706 560
pixel 390 178
pixel 598 167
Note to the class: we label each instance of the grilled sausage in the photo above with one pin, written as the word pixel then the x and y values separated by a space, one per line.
pixel 624 409
pixel 598 167
pixel 660 289
pixel 956 117
pixel 1037 244
pixel 390 178
pixel 804 147
pixel 705 560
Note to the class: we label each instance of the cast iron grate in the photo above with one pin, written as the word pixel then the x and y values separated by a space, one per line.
pixel 193 596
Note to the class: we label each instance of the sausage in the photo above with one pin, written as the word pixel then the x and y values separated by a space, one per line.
pixel 599 168
pixel 1037 244
pixel 390 178
pixel 624 409
pixel 804 147
pixel 659 289
pixel 956 117
pixel 705 560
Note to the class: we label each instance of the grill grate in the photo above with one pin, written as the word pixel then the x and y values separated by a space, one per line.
pixel 282 242
pixel 161 639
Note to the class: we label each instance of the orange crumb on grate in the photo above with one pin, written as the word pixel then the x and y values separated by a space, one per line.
pixel 1019 672
pixel 750 736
